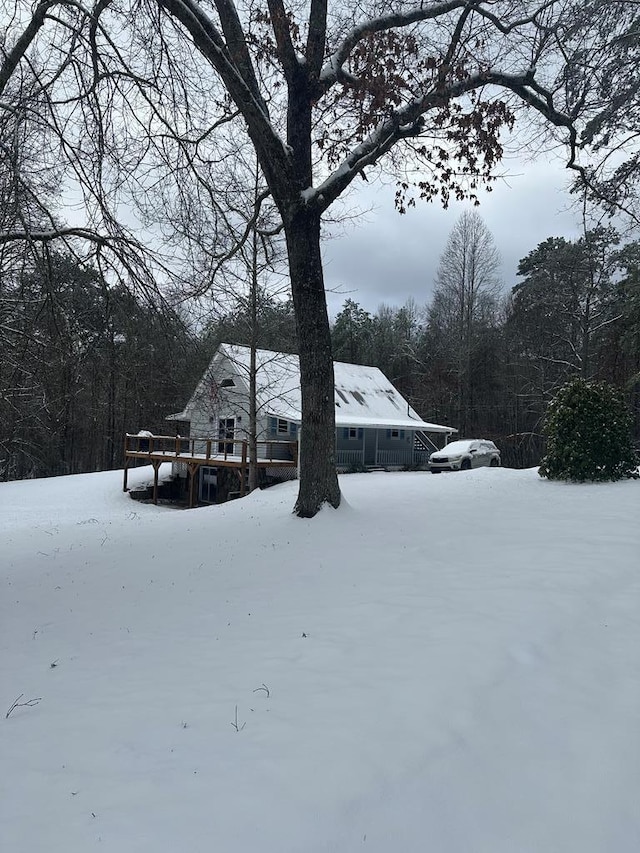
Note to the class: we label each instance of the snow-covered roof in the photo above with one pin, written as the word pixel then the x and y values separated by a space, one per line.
pixel 364 397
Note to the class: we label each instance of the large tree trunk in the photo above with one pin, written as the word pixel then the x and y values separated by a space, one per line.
pixel 318 476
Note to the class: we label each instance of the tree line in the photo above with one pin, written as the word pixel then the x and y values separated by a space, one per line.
pixel 85 361
pixel 82 363
pixel 487 360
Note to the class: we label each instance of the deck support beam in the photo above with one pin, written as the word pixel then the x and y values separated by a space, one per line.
pixel 193 471
pixel 243 470
pixel 156 467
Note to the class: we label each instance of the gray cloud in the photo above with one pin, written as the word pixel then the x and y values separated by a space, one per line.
pixel 389 258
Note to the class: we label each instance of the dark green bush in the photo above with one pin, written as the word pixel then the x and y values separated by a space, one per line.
pixel 588 431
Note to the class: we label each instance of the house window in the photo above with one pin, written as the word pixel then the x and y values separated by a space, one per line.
pixel 227 383
pixel 395 433
pixel 283 426
pixel 226 434
pixel 349 433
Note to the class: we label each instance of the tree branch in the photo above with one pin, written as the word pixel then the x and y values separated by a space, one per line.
pixel 275 159
pixel 23 43
pixel 333 69
pixel 286 50
pixel 407 122
pixel 317 37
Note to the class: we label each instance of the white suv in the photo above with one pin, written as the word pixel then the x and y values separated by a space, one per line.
pixel 465 454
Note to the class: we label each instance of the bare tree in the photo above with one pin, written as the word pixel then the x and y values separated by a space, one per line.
pixel 235 262
pixel 258 257
pixel 325 94
pixel 465 299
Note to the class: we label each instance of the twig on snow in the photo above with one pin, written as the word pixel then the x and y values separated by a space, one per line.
pixel 18 704
pixel 235 725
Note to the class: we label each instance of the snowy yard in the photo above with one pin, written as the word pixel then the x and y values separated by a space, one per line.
pixel 444 665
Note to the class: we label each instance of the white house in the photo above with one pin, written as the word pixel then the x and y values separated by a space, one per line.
pixel 375 425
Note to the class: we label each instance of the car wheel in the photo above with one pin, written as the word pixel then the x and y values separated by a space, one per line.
pixel 466 465
pixel 494 463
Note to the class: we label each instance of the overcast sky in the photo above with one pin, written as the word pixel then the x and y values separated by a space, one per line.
pixel 383 257
pixel 388 258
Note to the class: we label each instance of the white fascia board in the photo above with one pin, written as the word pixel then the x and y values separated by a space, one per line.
pixel 369 423
pixel 391 423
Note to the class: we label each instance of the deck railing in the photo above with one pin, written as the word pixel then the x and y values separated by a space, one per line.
pixel 392 458
pixel 208 449
pixel 349 457
pixel 395 457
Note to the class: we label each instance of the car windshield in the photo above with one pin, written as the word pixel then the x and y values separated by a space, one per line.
pixel 458 447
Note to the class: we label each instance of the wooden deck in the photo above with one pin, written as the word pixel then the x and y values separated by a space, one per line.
pixel 196 453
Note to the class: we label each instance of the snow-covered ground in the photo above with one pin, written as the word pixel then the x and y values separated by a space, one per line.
pixel 446 664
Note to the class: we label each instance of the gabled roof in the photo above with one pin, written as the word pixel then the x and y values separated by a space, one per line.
pixel 364 397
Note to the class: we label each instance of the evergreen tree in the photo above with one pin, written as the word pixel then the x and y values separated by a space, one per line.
pixel 351 334
pixel 588 430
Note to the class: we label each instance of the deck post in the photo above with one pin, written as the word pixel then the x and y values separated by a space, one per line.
pixel 126 459
pixel 156 467
pixel 192 482
pixel 243 468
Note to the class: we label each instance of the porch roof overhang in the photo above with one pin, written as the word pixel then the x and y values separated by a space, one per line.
pixel 392 423
pixel 372 422
pixel 348 421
